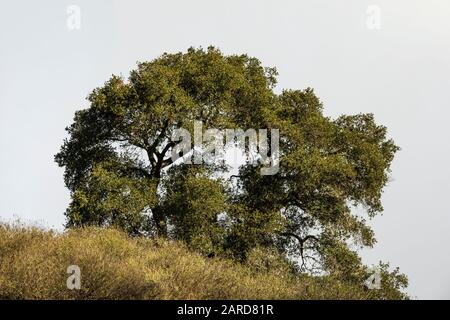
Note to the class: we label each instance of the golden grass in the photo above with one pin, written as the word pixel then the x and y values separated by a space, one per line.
pixel 33 265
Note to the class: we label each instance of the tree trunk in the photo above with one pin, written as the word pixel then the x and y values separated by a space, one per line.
pixel 160 222
pixel 158 215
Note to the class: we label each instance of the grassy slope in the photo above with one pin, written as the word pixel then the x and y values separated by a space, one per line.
pixel 33 265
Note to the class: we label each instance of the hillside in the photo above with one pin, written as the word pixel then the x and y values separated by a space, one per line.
pixel 33 265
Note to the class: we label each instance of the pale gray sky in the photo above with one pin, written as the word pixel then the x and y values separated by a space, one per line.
pixel 399 72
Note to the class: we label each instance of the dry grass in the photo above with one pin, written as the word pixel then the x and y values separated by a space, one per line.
pixel 33 265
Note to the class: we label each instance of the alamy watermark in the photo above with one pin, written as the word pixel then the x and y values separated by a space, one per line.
pixel 373 20
pixel 73 21
pixel 74 280
pixel 373 282
pixel 209 146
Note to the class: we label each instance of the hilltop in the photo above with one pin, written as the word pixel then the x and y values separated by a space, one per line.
pixel 113 265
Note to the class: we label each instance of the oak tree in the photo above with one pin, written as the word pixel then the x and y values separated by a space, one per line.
pixel 120 170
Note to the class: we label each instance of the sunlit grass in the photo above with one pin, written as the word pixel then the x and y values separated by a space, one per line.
pixel 33 265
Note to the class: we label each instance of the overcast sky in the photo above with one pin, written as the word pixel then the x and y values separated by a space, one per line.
pixel 397 67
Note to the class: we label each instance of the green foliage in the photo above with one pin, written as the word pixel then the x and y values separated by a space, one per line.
pixel 192 203
pixel 119 170
pixel 250 229
pixel 110 198
pixel 131 123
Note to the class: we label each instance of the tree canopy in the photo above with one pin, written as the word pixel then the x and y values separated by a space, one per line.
pixel 120 172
